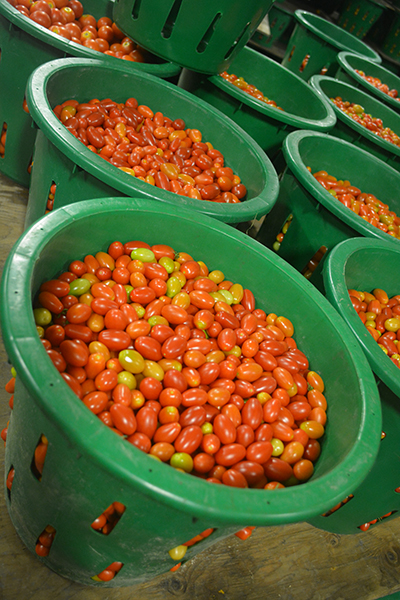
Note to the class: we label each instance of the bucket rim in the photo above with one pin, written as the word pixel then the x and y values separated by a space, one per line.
pixel 274 113
pixel 306 19
pixel 317 80
pixel 334 275
pixel 78 153
pixel 296 164
pixel 344 59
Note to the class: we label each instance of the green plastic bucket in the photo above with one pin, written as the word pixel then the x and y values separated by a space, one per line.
pixel 279 20
pixel 318 218
pixel 21 38
pixel 78 174
pixel 358 16
pixel 268 126
pixel 390 45
pixel 348 63
pixel 88 467
pixel 347 129
pixel 204 38
pixel 315 43
pixel 366 264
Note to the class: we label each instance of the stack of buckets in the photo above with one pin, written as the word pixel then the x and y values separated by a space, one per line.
pixel 87 467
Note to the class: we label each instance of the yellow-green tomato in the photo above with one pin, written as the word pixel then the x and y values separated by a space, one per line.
pixel 277 446
pixel 153 369
pixel 128 379
pixel 131 361
pixel 237 293
pixel 42 316
pixel 207 428
pixel 228 298
pixel 78 287
pixel 167 263
pixel 144 254
pixel 178 552
pixel 157 320
pixel 182 460
pixel 174 286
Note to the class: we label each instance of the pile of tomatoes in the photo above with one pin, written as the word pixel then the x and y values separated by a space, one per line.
pixel 376 82
pixel 152 147
pixel 366 205
pixel 240 83
pixel 381 316
pixel 178 361
pixel 67 19
pixel 373 124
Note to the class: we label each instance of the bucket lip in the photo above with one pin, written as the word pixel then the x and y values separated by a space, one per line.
pixel 296 164
pixel 334 275
pixel 344 59
pixel 24 346
pixel 316 80
pixel 56 132
pixel 166 69
pixel 269 111
pixel 306 19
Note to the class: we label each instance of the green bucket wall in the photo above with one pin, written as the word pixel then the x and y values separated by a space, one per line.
pixel 268 126
pixel 348 63
pixel 203 37
pixel 87 466
pixel 353 132
pixel 358 16
pixel 346 269
pixel 321 40
pixel 279 20
pixel 80 175
pixel 318 218
pixel 24 46
pixel 390 45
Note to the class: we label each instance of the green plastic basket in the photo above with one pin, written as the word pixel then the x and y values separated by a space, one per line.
pixel 347 129
pixel 203 37
pixel 346 269
pixel 269 126
pixel 318 218
pixel 88 467
pixel 315 43
pixel 21 38
pixel 279 20
pixel 59 157
pixel 358 16
pixel 348 63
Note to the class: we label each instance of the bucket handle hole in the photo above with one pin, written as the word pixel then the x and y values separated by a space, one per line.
pixel 338 506
pixel 314 262
pixel 109 518
pixel 50 197
pixel 304 63
pixel 205 40
pixel 283 231
pixel 366 526
pixel 39 457
pixel 109 572
pixel 179 552
pixel 9 481
pixel 3 137
pixel 291 53
pixel 169 24
pixel 136 9
pixel 237 41
pixel 44 541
